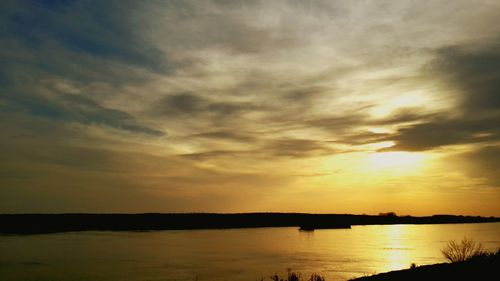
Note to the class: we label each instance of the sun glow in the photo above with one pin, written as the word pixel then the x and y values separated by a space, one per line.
pixel 380 145
pixel 399 160
pixel 404 101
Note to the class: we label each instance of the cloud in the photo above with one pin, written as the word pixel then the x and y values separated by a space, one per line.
pixel 45 101
pixel 338 124
pixel 46 45
pixel 439 132
pixel 472 74
pixel 215 154
pixel 227 135
pixel 100 30
pixel 362 138
pixel 199 102
pixel 186 104
pixel 37 142
pixel 182 104
pixel 268 150
pixel 50 166
pixel 404 116
pixel 482 162
pixel 297 148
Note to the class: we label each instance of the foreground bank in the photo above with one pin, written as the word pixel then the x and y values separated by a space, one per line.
pixel 469 262
pixel 484 267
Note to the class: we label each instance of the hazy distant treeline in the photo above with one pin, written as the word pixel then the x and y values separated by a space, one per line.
pixel 47 223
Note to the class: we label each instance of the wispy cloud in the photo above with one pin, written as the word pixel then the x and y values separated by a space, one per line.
pixel 188 101
pixel 472 74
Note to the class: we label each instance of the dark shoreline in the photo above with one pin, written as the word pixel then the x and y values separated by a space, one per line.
pixel 478 268
pixel 52 223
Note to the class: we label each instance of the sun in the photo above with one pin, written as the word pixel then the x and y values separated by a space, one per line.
pixel 397 160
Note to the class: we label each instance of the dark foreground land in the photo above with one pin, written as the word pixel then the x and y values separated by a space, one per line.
pixel 485 267
pixel 50 223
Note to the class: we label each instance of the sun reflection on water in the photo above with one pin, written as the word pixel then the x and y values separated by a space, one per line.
pixel 398 255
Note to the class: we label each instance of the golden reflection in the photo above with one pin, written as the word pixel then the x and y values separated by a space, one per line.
pixel 397 253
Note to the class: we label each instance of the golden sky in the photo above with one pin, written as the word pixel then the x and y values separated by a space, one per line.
pixel 244 106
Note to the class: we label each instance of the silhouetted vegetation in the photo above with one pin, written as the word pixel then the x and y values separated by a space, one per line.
pixel 49 223
pixel 468 262
pixel 465 250
pixel 481 265
pixel 295 276
pixel 388 214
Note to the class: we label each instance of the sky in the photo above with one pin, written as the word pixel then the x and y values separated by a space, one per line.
pixel 250 106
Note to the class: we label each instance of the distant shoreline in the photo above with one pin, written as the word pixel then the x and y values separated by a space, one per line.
pixel 53 223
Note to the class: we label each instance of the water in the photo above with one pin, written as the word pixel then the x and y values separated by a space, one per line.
pixel 237 254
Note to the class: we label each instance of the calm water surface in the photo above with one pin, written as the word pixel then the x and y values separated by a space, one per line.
pixel 238 254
